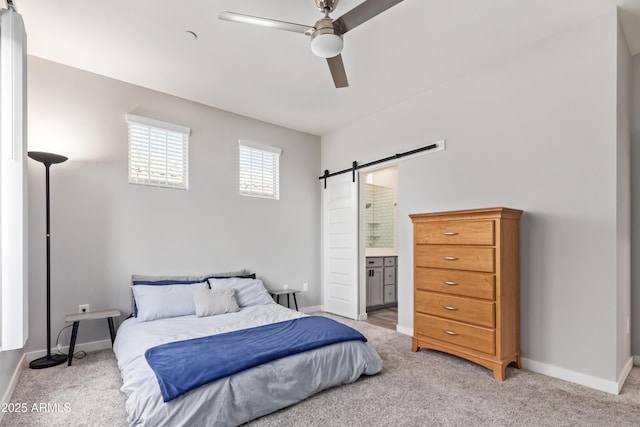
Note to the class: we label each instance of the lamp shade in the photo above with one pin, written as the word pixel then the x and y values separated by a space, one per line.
pixel 47 158
pixel 327 45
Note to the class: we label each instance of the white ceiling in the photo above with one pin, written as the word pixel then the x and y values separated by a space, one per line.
pixel 272 75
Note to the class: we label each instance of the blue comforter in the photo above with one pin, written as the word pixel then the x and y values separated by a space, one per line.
pixel 184 365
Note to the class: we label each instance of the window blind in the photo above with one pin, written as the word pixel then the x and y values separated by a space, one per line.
pixel 158 153
pixel 259 170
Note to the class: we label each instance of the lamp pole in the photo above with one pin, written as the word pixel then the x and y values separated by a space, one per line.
pixel 49 360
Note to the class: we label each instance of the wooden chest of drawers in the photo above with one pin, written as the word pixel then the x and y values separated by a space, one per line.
pixel 466 285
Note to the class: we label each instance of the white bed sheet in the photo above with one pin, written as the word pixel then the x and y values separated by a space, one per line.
pixel 242 396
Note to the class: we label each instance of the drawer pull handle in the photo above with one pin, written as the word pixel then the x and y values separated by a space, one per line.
pixel 451 283
pixel 450 233
pixel 450 258
pixel 450 332
pixel 448 307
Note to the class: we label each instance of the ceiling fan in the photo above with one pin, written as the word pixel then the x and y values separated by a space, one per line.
pixel 326 34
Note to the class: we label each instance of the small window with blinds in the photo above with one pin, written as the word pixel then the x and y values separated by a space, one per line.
pixel 259 170
pixel 158 154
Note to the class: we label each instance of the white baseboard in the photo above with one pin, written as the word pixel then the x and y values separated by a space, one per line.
pixel 612 387
pixel 404 330
pixel 13 383
pixel 87 346
pixel 625 373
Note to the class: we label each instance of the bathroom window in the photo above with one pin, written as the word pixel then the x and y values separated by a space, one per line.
pixel 259 167
pixel 158 154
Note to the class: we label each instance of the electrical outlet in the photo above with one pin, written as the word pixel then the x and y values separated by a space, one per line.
pixel 285 286
pixel 305 287
pixel 83 308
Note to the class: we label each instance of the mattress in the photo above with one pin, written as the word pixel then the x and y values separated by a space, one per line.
pixel 240 397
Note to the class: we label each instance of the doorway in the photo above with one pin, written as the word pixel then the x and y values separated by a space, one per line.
pixel 379 246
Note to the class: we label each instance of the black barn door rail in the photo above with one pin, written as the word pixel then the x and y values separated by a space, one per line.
pixel 355 166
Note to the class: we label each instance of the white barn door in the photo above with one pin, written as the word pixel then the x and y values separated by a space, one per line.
pixel 340 246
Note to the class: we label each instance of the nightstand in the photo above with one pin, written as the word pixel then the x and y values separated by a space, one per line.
pixel 287 292
pixel 100 314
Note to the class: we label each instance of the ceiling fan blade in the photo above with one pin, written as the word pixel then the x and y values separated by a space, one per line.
pixel 363 12
pixel 337 71
pixel 265 22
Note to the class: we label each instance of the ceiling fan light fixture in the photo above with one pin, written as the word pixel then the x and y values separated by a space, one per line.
pixel 326 45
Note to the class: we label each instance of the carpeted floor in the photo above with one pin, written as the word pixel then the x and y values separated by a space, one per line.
pixel 424 388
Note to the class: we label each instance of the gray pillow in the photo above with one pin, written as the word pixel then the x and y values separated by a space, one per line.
pixel 211 302
pixel 248 291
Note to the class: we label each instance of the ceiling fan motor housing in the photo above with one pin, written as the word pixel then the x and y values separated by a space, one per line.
pixel 327 6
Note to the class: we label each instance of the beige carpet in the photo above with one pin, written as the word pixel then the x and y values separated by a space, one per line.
pixel 425 388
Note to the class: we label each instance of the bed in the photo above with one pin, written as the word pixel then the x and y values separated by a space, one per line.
pixel 165 321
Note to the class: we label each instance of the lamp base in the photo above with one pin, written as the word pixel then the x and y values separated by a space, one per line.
pixel 48 362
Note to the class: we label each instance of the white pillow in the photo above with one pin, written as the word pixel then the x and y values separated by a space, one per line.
pixel 248 291
pixel 210 302
pixel 159 302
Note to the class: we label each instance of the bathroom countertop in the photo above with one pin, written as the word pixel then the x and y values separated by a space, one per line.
pixel 377 254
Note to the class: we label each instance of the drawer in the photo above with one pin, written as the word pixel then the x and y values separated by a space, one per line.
pixel 452 307
pixel 374 261
pixel 389 294
pixel 455 257
pixel 455 232
pixel 469 336
pixel 389 275
pixel 464 283
pixel 389 261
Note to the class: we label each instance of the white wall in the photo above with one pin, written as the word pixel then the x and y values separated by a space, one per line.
pixel 104 230
pixel 534 131
pixel 623 208
pixel 635 207
pixel 9 369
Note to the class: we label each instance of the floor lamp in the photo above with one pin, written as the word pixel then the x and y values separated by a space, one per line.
pixel 49 360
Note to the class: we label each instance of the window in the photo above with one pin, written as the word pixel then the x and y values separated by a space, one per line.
pixel 157 153
pixel 259 170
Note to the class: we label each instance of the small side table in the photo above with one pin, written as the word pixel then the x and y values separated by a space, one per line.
pixel 100 314
pixel 287 292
